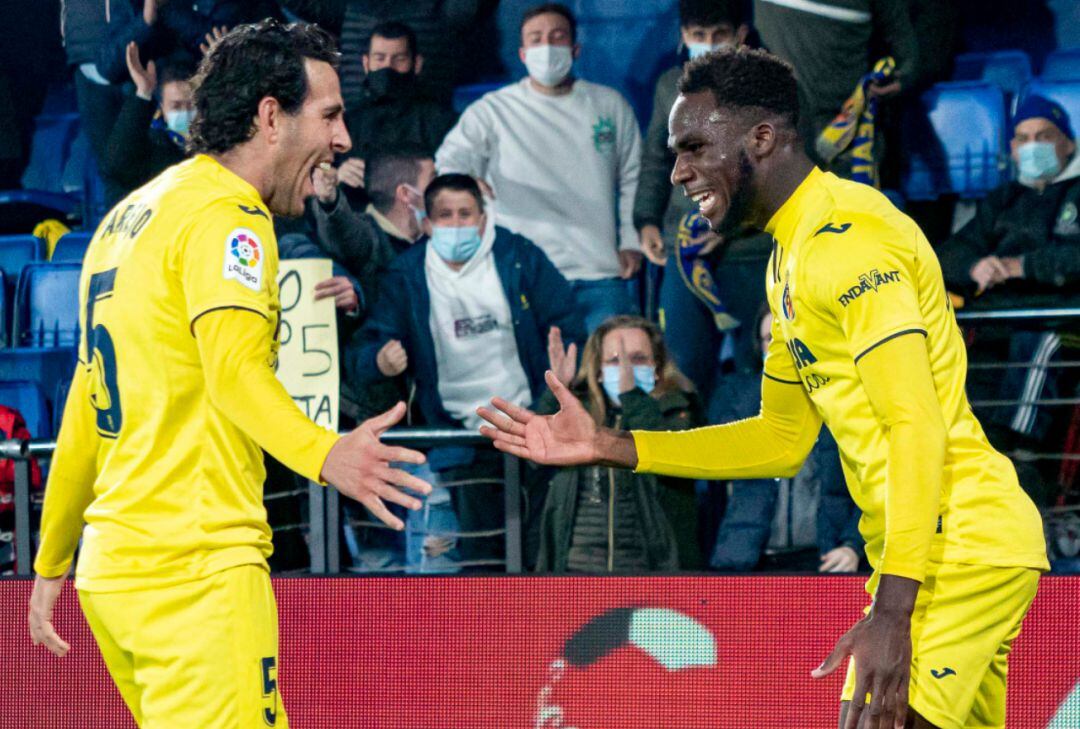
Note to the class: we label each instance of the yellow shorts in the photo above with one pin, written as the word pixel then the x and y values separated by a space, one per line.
pixel 200 654
pixel 965 620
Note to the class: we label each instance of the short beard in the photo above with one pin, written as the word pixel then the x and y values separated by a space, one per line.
pixel 738 210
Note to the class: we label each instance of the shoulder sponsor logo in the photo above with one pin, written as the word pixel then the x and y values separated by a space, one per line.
pixel 942 673
pixel 244 257
pixel 870 281
pixel 830 228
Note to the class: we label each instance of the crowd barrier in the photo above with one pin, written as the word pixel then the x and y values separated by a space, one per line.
pixel 531 652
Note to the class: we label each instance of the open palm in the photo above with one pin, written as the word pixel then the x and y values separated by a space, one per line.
pixel 566 438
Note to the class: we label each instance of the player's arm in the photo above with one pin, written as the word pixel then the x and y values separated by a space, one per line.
pixel 69 491
pixel 70 487
pixel 235 353
pixel 772 444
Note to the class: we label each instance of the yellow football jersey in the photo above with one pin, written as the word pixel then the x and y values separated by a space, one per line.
pixel 178 492
pixel 848 272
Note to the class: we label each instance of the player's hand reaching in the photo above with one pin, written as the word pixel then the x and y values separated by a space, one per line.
pixel 359 467
pixel 880 643
pixel 566 438
pixel 42 601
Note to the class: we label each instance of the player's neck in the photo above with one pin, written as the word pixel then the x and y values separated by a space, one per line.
pixel 779 185
pixel 248 167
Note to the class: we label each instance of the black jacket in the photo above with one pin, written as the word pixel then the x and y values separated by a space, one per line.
pixel 408 120
pixel 666 507
pixel 1016 220
pixel 137 152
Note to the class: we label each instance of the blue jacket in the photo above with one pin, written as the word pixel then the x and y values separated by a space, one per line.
pixel 539 298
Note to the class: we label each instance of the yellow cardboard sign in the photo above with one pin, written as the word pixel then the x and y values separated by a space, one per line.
pixel 308 361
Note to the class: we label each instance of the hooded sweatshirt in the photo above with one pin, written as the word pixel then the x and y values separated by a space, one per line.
pixel 471 325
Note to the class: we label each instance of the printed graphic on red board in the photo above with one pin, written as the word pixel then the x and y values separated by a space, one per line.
pixel 550 653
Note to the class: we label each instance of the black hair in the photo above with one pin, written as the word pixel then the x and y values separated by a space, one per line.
pixel 710 13
pixel 392 30
pixel 455 182
pixel 384 172
pixel 174 68
pixel 558 9
pixel 745 79
pixel 249 64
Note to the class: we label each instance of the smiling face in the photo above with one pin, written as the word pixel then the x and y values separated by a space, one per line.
pixel 711 163
pixel 308 138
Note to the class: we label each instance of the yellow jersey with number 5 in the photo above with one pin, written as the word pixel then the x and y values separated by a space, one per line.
pixel 849 272
pixel 178 493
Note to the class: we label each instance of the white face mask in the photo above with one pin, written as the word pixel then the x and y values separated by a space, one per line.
pixel 549 65
pixel 179 120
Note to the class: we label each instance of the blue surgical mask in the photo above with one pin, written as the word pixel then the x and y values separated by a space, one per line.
pixel 1038 161
pixel 697 50
pixel 644 378
pixel 456 245
pixel 179 121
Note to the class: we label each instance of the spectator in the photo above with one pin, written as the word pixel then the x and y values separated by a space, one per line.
pixel 1024 242
pixel 443 28
pixel 393 110
pixel 693 312
pixel 607 520
pixel 828 42
pixel 141 146
pixel 163 27
pixel 561 156
pixel 822 516
pixel 465 314
pixel 366 242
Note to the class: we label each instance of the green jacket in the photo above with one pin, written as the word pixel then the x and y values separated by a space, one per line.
pixel 666 507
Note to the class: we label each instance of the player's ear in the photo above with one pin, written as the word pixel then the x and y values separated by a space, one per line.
pixel 268 118
pixel 762 139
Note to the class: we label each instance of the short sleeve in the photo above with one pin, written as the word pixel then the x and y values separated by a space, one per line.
pixel 868 282
pixel 229 260
pixel 779 365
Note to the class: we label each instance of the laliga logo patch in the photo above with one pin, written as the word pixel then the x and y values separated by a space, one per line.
pixel 244 258
pixel 789 308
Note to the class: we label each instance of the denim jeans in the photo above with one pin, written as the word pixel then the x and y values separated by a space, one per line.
pixel 602 299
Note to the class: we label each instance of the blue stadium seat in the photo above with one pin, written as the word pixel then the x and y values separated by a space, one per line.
pixel 50 367
pixel 16 251
pixel 466 95
pixel 1062 65
pixel 1010 70
pixel 27 397
pixel 47 305
pixel 1066 93
pixel 954 142
pixel 72 246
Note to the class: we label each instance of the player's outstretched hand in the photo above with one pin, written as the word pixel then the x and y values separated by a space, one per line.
pixel 42 601
pixel 359 466
pixel 566 438
pixel 881 646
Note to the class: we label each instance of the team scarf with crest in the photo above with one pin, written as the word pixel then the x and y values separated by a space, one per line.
pixel 695 273
pixel 853 127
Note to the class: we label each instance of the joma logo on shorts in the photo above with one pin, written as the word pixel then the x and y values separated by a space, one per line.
pixel 869 281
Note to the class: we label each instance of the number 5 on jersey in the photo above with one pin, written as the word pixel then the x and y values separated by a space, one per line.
pixel 101 358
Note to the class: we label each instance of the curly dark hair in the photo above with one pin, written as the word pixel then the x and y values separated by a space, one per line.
pixel 247 65
pixel 745 79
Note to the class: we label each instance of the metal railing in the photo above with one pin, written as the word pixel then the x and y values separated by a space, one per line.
pixel 324 503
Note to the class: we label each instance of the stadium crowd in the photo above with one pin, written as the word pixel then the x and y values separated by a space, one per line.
pixel 473 251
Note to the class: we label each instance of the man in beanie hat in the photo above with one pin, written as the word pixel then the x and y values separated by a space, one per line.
pixel 1024 242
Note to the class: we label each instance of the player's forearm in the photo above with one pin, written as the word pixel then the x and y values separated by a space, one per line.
pixel 240 382
pixel 772 444
pixel 70 487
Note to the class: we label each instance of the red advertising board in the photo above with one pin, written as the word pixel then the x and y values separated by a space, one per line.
pixel 584 652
